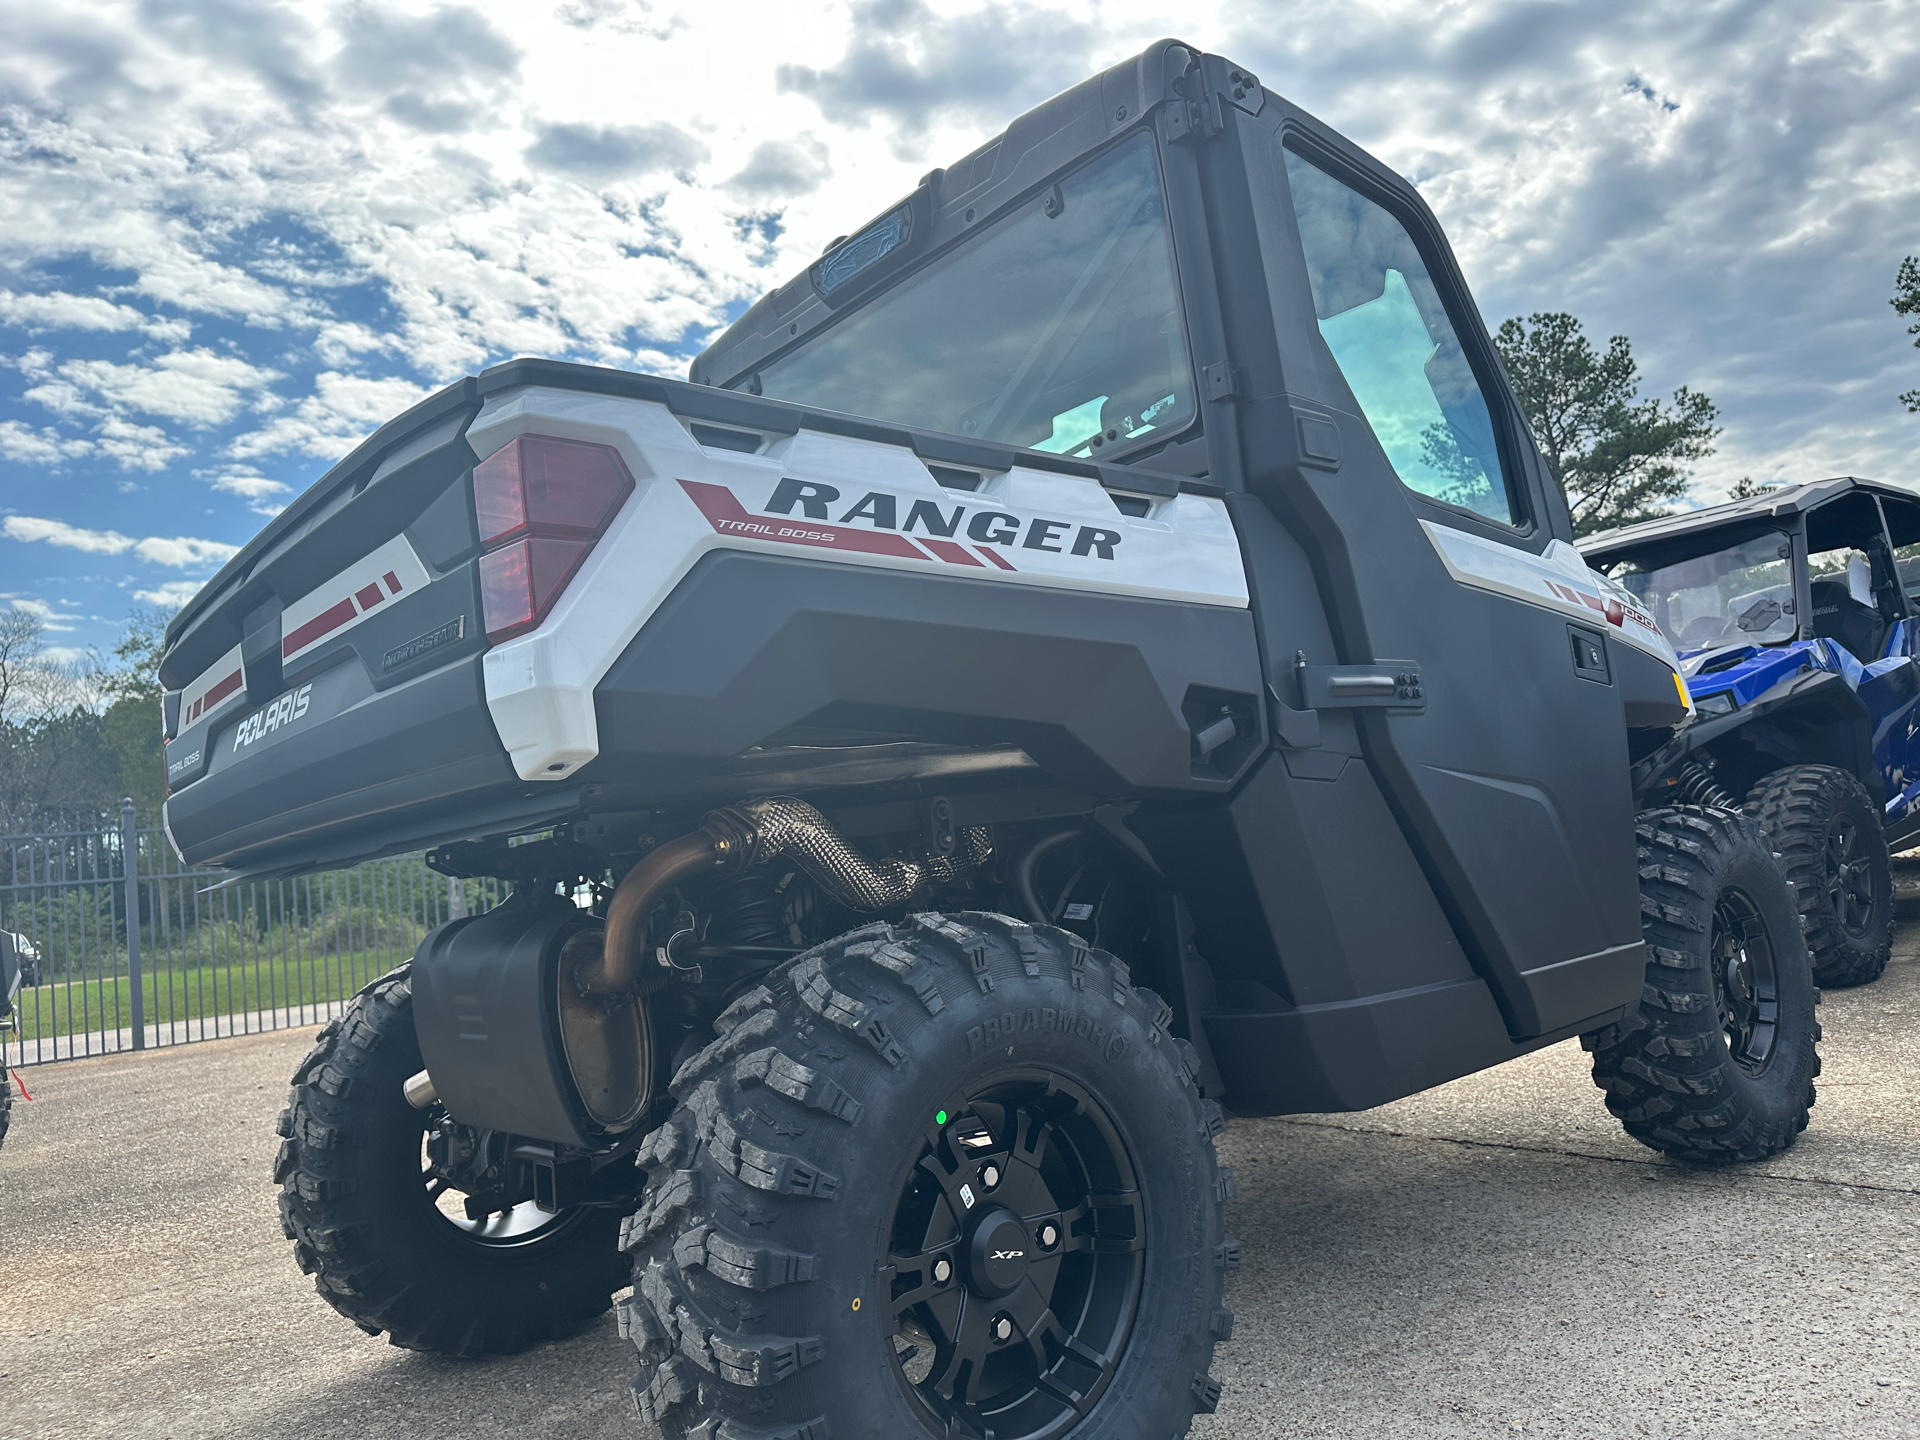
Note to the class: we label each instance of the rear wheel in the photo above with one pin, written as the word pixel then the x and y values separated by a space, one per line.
pixel 949 1178
pixel 1719 1063
pixel 392 1244
pixel 1828 833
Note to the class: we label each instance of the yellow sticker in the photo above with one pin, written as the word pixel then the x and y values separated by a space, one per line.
pixel 1681 686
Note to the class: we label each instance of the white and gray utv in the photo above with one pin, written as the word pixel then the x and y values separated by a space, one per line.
pixel 1177 689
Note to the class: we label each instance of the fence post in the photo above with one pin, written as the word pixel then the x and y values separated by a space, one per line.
pixel 456 899
pixel 130 862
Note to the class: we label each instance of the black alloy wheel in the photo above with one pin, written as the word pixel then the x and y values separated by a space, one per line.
pixel 1015 1262
pixel 1830 838
pixel 1717 1061
pixel 1850 888
pixel 1744 983
pixel 454 1171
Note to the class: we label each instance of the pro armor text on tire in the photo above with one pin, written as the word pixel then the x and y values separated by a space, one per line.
pixel 1827 831
pixel 383 1247
pixel 1720 1062
pixel 950 1177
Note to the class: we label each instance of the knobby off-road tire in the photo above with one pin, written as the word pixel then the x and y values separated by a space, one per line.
pixel 354 1202
pixel 869 1115
pixel 1719 1064
pixel 6 1103
pixel 1827 831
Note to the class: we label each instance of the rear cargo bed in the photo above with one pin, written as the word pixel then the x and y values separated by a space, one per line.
pixel 330 692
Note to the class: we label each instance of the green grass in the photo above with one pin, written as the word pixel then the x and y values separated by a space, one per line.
pixel 194 992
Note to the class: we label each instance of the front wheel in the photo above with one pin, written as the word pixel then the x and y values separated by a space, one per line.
pixel 1827 831
pixel 947 1178
pixel 1719 1063
pixel 390 1242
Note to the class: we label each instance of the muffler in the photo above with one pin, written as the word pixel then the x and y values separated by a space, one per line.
pixel 512 1044
pixel 533 1018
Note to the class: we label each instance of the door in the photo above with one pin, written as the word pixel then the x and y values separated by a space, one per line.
pixel 1441 548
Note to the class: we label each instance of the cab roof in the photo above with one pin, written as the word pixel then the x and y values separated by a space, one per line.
pixel 1786 503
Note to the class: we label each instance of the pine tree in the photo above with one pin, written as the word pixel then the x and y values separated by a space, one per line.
pixel 1617 458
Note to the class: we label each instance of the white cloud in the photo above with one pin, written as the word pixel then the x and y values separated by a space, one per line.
pixel 170 595
pixel 137 447
pixel 49 617
pixel 69 537
pixel 59 310
pixel 247 483
pixel 178 551
pixel 200 387
pixel 45 446
pixel 342 411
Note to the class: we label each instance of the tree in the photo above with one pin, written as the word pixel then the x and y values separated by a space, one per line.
pixel 1616 457
pixel 49 740
pixel 1906 301
pixel 130 728
pixel 78 737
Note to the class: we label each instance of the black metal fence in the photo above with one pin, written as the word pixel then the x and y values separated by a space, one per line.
pixel 137 950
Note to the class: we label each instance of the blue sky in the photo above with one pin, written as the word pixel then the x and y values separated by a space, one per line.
pixel 238 236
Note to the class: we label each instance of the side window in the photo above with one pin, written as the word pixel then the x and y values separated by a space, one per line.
pixel 1381 315
pixel 1903 528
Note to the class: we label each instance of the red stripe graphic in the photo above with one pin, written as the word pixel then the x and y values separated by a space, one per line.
pixel 393 581
pixel 368 596
pixel 724 513
pixel 220 692
pixel 214 695
pixel 951 553
pixel 995 556
pixel 321 624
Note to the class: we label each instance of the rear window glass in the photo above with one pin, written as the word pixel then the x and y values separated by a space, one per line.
pixel 1057 327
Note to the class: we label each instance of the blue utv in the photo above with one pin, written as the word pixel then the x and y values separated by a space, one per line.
pixel 1796 614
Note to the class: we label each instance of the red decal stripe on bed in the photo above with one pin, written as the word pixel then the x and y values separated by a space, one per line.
pixel 951 553
pixel 321 624
pixel 725 513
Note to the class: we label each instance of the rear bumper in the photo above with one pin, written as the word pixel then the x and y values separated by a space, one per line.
pixel 357 773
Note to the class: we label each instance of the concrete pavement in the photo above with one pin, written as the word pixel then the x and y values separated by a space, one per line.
pixel 1493 1257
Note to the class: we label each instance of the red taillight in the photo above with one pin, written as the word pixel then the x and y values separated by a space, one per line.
pixel 545 486
pixel 541 502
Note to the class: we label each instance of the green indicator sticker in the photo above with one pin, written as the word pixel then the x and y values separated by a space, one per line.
pixel 941 1118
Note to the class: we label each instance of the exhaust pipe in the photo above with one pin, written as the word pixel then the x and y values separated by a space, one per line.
pixel 492 994
pixel 753 833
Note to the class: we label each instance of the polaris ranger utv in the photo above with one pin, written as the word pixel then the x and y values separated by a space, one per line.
pixel 1180 690
pixel 1795 616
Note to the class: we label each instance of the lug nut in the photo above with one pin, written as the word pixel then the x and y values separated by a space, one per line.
pixel 990 1176
pixel 1001 1328
pixel 942 1270
pixel 1049 1235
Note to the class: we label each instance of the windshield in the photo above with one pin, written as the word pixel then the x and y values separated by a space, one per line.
pixel 1056 328
pixel 1742 595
